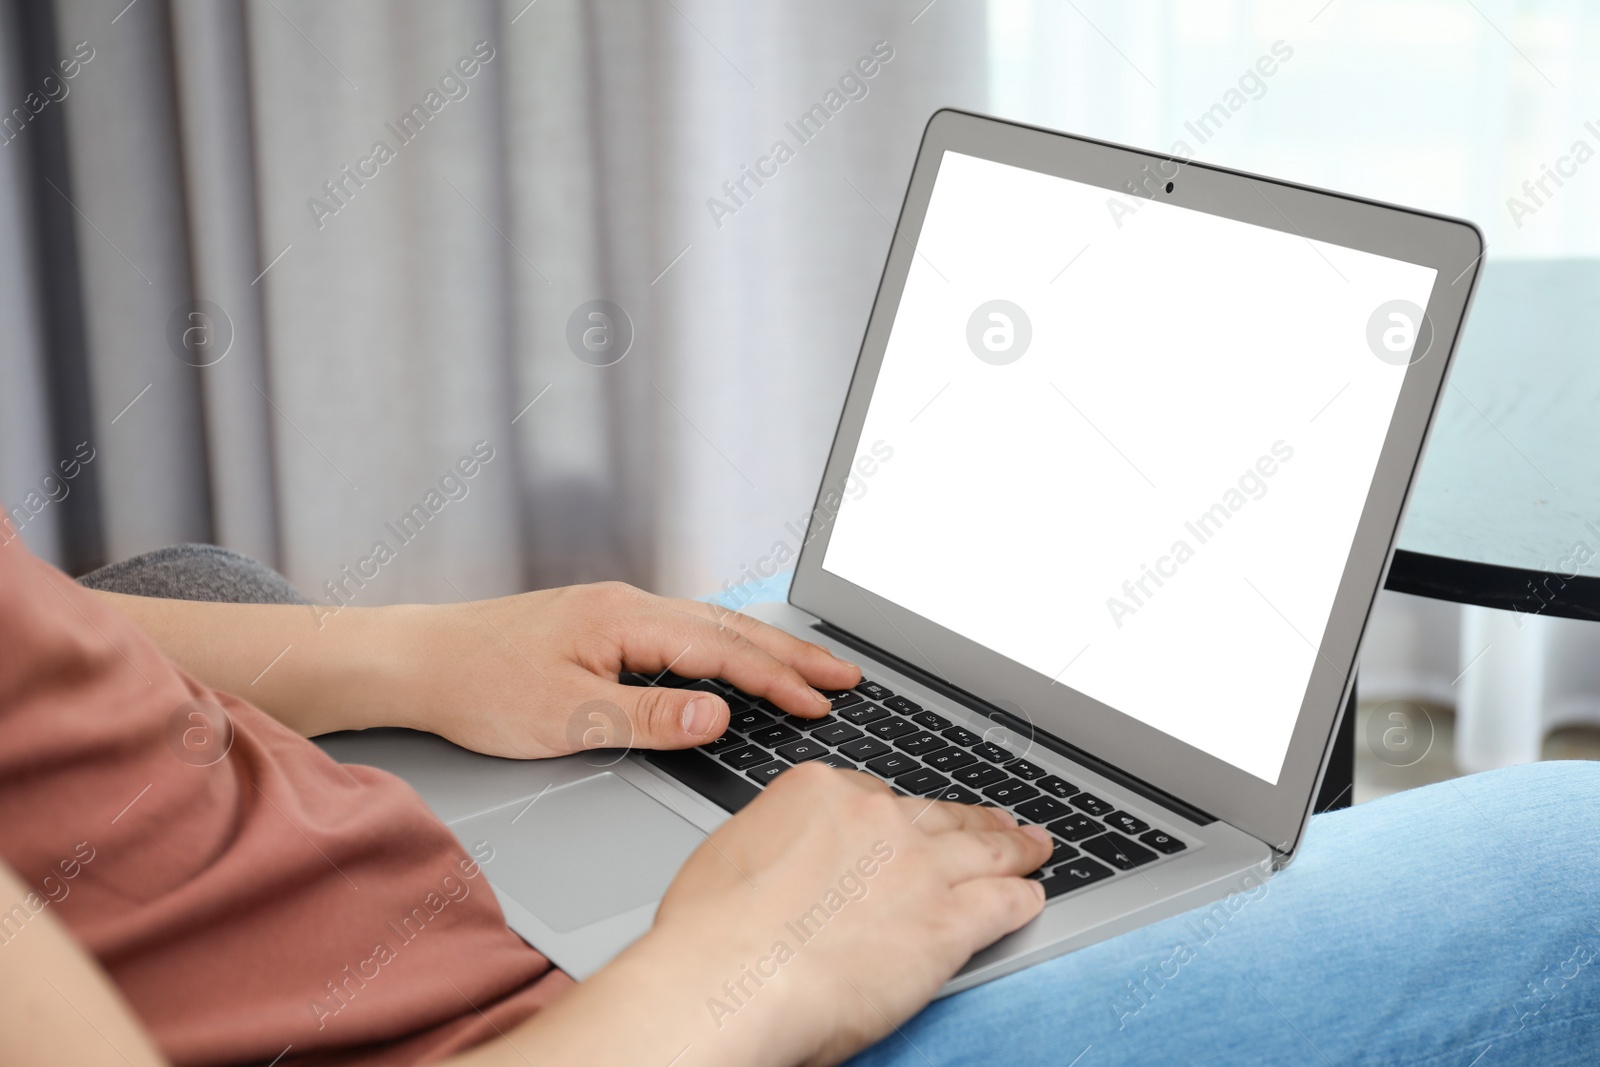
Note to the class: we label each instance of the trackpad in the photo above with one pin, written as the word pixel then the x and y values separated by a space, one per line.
pixel 583 852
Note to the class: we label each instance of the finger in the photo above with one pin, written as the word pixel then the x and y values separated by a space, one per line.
pixel 696 647
pixel 940 816
pixel 659 717
pixel 991 853
pixel 995 907
pixel 866 782
pixel 816 775
pixel 816 664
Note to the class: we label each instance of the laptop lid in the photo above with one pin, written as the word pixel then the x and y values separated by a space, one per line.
pixel 1127 447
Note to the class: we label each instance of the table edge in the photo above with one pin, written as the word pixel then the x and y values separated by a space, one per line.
pixel 1490 585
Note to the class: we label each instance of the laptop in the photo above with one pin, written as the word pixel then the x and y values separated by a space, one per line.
pixel 1115 486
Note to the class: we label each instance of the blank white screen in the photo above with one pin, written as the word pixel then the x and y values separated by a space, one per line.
pixel 1180 363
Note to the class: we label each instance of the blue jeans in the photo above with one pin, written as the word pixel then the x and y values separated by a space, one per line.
pixel 1454 924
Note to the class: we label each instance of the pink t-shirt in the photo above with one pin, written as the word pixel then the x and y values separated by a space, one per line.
pixel 273 902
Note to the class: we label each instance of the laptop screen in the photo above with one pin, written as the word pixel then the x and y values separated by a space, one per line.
pixel 1126 444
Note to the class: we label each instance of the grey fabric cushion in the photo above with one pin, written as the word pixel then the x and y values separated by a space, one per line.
pixel 195 572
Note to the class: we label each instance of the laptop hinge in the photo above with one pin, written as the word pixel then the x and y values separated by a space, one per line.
pixel 1046 740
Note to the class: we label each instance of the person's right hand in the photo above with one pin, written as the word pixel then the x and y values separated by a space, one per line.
pixel 834 910
pixel 806 927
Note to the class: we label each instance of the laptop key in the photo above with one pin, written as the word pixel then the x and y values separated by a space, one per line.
pixel 1163 842
pixel 891 729
pixel 722 744
pixel 1056 787
pixel 1024 770
pixel 873 691
pixel 921 744
pixel 668 680
pixel 707 685
pixel 950 759
pixel 767 771
pixel 861 714
pixel 1060 852
pixel 742 759
pixel 1075 874
pixel 1121 820
pixel 836 733
pixel 776 734
pixel 802 750
pixel 1074 827
pixel 833 759
pixel 931 719
pixel 1118 851
pixel 748 719
pixel 705 775
pixel 842 698
pixel 980 775
pixel 893 765
pixel 865 748
pixel 921 781
pixel 795 722
pixel 993 753
pixel 1083 801
pixel 902 705
pixel 954 794
pixel 1009 791
pixel 960 736
pixel 1042 809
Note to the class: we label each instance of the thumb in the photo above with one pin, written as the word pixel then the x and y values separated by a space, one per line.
pixel 671 718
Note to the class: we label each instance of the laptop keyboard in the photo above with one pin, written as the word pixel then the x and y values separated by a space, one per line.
pixel 920 753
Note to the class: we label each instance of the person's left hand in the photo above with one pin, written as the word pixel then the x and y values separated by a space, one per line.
pixel 536 674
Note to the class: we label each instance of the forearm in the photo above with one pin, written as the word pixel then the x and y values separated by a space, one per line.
pixel 340 672
pixel 56 1004
pixel 518 676
pixel 644 1008
pixel 649 1006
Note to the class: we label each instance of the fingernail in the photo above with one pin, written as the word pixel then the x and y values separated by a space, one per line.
pixel 1038 833
pixel 698 715
pixel 1038 888
pixel 822 699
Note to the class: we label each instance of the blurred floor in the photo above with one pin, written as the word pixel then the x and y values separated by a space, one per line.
pixel 1377 778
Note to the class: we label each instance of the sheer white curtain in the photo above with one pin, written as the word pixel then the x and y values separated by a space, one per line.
pixel 1432 103
pixel 385 312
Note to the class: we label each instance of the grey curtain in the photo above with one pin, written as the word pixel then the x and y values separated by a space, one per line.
pixel 295 343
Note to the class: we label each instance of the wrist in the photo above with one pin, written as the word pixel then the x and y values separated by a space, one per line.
pixel 677 979
pixel 718 1003
pixel 401 656
pixel 367 672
